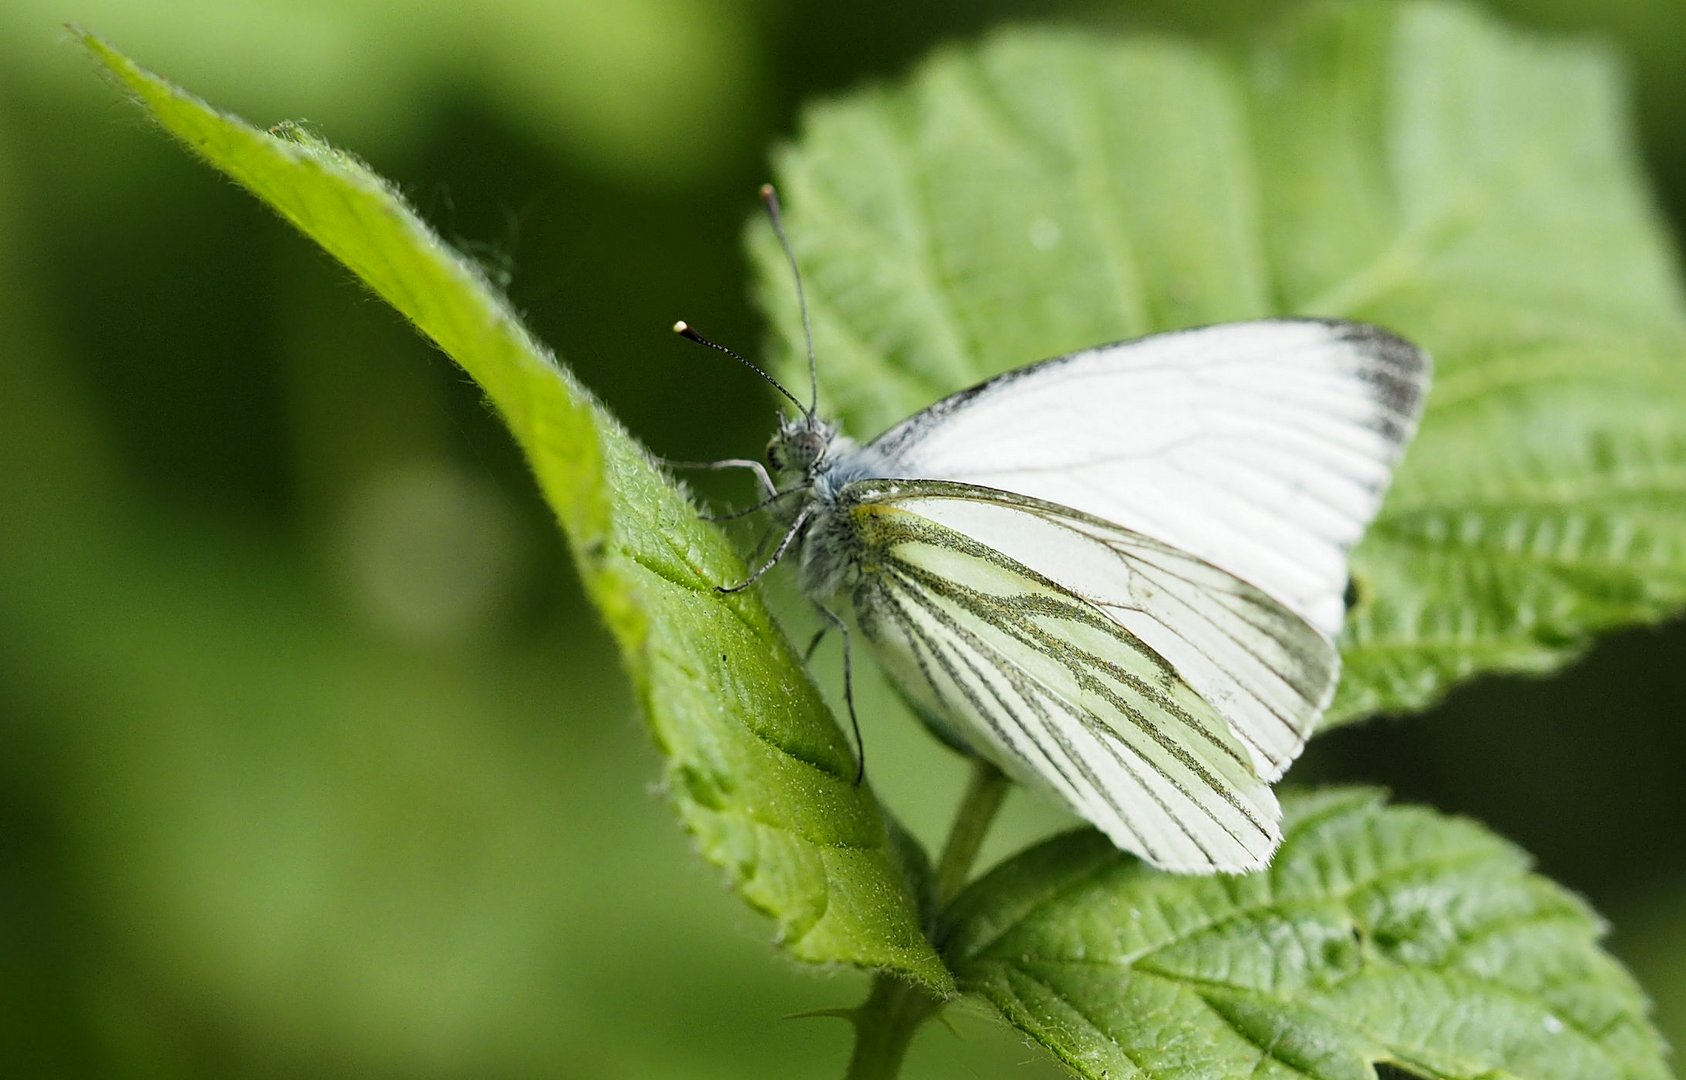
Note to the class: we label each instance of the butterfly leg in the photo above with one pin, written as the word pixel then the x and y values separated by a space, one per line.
pixel 768 488
pixel 814 643
pixel 790 536
pixel 733 515
pixel 848 686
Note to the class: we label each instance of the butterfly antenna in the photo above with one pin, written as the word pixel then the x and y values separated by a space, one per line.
pixel 770 198
pixel 683 329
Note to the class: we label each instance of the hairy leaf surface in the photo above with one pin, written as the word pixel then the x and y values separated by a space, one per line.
pixel 1415 166
pixel 759 772
pixel 1379 934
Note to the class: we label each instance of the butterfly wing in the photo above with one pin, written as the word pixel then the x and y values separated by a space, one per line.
pixel 1261 447
pixel 1038 636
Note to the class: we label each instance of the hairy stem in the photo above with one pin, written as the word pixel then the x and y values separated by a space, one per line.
pixel 884 1027
pixel 886 1021
pixel 984 793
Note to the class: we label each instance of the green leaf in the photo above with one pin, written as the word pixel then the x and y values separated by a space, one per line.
pixel 759 772
pixel 1417 166
pixel 1379 935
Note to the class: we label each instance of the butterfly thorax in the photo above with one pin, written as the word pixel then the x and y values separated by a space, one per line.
pixel 812 455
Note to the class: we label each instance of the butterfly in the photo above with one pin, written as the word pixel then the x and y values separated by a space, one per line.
pixel 1118 575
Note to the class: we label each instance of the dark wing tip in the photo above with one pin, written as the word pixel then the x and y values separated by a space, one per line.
pixel 1397 370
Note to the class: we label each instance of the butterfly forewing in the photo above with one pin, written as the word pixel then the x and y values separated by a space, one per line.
pixel 1043 680
pixel 1261 447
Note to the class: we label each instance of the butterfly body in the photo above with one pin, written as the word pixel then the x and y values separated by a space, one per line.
pixel 1119 575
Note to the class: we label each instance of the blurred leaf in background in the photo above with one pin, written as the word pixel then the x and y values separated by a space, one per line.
pixel 310 760
pixel 649 92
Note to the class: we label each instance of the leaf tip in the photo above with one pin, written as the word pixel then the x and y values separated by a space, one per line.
pixel 101 49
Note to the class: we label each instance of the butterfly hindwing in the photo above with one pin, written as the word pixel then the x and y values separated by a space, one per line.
pixel 1026 663
pixel 1266 670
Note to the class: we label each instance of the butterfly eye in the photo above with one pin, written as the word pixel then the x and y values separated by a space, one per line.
pixel 812 446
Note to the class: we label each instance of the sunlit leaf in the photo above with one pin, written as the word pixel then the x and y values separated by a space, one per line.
pixel 756 767
pixel 1379 935
pixel 1415 166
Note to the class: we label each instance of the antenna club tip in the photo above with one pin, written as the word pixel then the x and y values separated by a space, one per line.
pixel 681 326
pixel 767 191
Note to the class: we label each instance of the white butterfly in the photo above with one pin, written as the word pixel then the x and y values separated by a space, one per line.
pixel 1118 575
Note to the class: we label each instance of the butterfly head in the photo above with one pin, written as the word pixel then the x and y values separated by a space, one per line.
pixel 801 447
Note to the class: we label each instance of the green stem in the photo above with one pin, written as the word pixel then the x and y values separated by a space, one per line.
pixel 984 793
pixel 887 1020
pixel 884 1027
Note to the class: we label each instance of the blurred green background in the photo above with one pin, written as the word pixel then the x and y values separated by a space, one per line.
pixel 312 761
